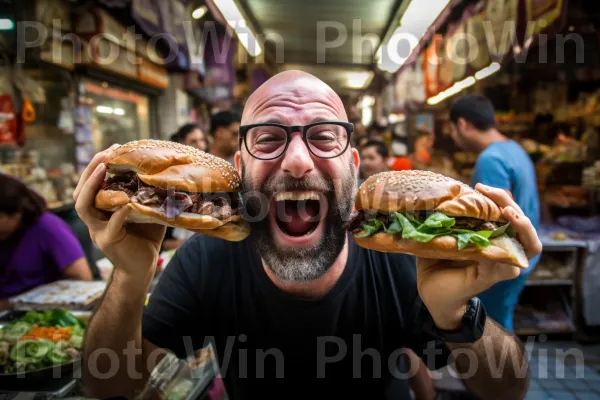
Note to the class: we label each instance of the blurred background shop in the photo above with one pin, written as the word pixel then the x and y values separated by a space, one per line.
pixel 77 76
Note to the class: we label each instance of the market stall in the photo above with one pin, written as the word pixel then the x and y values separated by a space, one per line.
pixel 542 77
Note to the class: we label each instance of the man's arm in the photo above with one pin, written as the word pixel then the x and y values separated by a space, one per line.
pixel 116 330
pixel 494 367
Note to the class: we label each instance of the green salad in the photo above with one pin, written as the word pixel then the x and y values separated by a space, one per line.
pixel 437 224
pixel 40 339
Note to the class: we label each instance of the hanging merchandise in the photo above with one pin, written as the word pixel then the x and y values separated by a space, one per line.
pixel 459 52
pixel 542 15
pixel 503 17
pixel 446 68
pixel 165 18
pixel 431 63
pixel 480 54
pixel 416 85
pixel 8 114
pixel 401 90
pixel 27 111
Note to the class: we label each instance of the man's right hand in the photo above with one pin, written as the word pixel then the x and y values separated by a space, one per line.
pixel 134 248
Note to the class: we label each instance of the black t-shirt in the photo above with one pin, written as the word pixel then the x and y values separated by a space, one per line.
pixel 270 343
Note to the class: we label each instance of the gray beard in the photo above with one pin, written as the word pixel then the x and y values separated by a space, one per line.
pixel 292 264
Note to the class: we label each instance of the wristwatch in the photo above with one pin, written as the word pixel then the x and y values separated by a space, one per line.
pixel 473 323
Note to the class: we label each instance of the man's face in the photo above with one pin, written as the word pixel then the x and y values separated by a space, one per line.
pixel 196 139
pixel 306 199
pixel 459 136
pixel 9 223
pixel 228 138
pixel 371 162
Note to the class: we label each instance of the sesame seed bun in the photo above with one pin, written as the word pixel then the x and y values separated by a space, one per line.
pixel 173 165
pixel 416 190
pixel 427 191
pixel 169 165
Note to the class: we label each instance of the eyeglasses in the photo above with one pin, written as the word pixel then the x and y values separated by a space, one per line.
pixel 267 141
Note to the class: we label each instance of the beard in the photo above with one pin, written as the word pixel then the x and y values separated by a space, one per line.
pixel 293 264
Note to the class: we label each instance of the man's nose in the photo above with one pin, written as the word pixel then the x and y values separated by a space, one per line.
pixel 297 160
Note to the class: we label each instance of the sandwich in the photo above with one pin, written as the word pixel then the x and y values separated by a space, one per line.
pixel 175 185
pixel 432 216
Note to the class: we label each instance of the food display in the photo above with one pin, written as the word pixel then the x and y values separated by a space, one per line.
pixel 430 215
pixel 40 339
pixel 60 294
pixel 175 185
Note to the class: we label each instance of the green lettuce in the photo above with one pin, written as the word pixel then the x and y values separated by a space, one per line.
pixel 437 224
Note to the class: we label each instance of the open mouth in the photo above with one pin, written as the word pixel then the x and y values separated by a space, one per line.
pixel 299 213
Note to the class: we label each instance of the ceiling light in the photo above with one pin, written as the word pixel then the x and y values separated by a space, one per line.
pixel 119 111
pixel 234 18
pixel 6 24
pixel 487 71
pixel 359 80
pixel 199 12
pixel 395 118
pixel 451 91
pixel 414 23
pixel 465 83
pixel 104 109
pixel 366 102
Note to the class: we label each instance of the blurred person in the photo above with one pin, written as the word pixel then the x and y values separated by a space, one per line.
pixel 36 246
pixel 191 135
pixel 374 156
pixel 504 164
pixel 224 127
pixel 297 291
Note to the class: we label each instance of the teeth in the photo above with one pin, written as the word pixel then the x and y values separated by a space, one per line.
pixel 297 196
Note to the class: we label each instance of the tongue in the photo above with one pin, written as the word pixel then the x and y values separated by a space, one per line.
pixel 299 217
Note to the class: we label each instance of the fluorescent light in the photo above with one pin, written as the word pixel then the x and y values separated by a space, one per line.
pixel 199 12
pixel 395 118
pixel 119 111
pixel 366 101
pixel 414 23
pixel 487 71
pixel 234 18
pixel 6 24
pixel 358 80
pixel 104 109
pixel 366 116
pixel 465 83
pixel 451 91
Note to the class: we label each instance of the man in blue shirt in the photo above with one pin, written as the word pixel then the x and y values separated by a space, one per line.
pixel 504 164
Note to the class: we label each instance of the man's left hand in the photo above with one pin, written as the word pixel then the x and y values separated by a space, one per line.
pixel 445 286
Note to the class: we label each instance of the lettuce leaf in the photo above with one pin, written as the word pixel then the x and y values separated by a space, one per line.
pixel 410 232
pixel 370 228
pixel 437 224
pixel 439 220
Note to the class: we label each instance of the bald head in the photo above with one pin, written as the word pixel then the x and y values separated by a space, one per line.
pixel 292 91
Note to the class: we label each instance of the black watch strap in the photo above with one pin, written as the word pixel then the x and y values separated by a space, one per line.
pixel 471 330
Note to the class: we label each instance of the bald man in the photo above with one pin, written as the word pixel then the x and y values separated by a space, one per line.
pixel 296 310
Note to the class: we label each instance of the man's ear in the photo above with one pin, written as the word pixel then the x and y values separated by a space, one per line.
pixel 237 159
pixel 355 158
pixel 462 124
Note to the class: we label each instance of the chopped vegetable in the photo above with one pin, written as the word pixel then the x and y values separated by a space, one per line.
pixel 437 224
pixel 38 340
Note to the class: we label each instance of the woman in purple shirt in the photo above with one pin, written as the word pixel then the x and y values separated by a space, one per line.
pixel 36 247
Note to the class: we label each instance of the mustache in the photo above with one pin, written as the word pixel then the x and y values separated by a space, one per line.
pixel 314 182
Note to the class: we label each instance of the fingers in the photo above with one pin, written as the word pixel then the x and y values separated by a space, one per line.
pixel 525 231
pixel 499 196
pixel 85 200
pixel 98 158
pixel 115 230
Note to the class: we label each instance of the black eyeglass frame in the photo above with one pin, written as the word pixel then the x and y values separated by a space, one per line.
pixel 289 129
